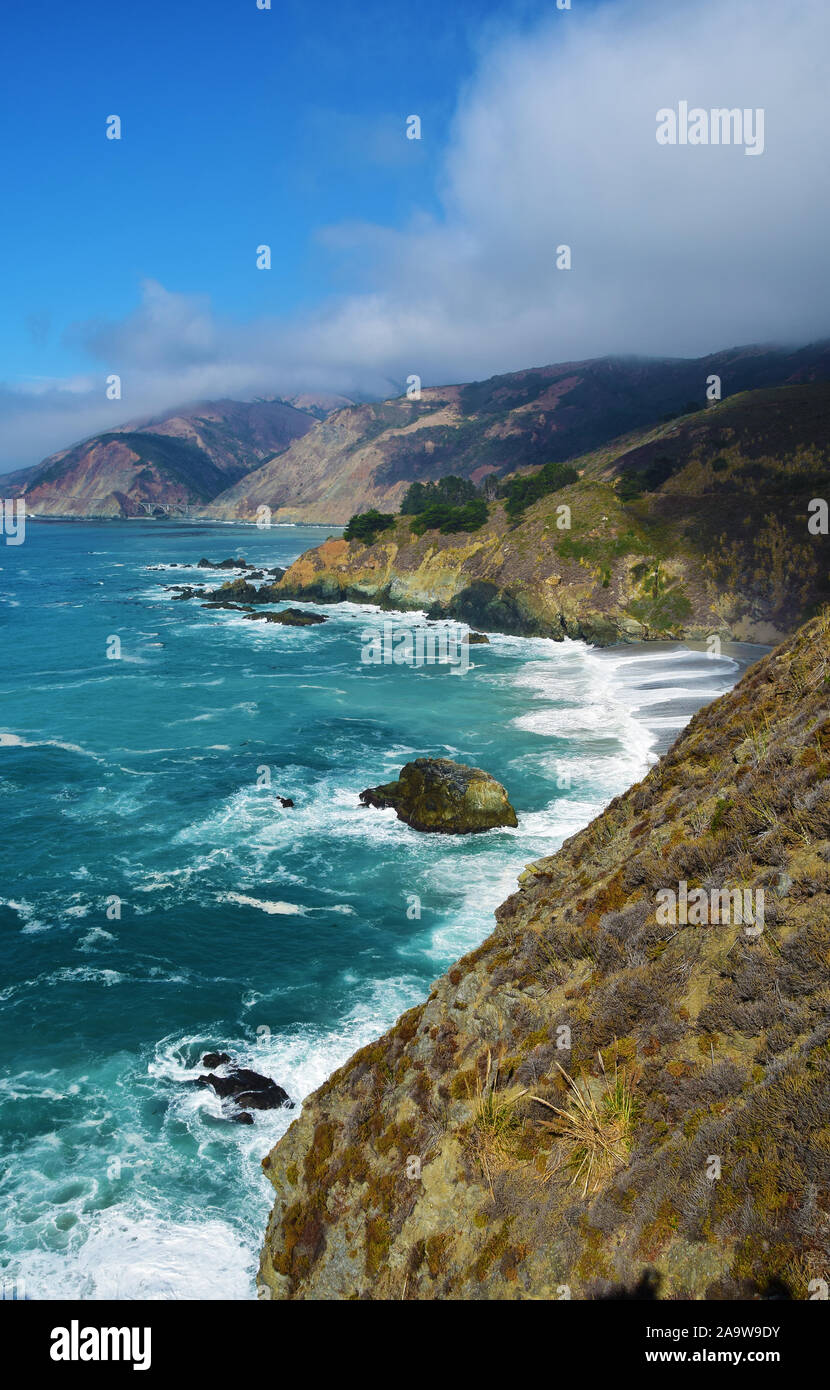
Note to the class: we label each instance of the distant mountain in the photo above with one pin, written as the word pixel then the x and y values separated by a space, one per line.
pixel 320 404
pixel 173 462
pixel 367 454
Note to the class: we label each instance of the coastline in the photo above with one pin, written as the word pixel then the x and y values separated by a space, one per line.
pixel 576 699
pixel 671 1015
pixel 631 673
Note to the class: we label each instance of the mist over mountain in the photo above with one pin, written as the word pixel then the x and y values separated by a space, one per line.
pixel 367 455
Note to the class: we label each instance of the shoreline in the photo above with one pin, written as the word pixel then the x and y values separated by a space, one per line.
pixel 581 946
pixel 184 520
pixel 538 671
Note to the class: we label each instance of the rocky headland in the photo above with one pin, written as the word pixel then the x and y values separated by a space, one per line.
pixel 701 528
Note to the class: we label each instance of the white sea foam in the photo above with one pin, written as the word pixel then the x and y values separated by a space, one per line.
pixel 144 1254
pixel 9 740
pixel 27 914
pixel 273 908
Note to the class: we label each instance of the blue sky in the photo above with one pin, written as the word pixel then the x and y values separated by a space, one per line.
pixel 240 126
pixel 390 256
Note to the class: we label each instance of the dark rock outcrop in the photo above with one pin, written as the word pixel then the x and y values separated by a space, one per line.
pixel 229 564
pixel 276 572
pixel 289 617
pixel 215 1059
pixel 248 1089
pixel 183 592
pixel 437 794
pixel 242 591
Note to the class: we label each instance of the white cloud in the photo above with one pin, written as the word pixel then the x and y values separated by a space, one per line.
pixel 675 250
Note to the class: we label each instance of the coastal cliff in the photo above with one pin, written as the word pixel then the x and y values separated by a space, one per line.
pixel 600 1097
pixel 698 527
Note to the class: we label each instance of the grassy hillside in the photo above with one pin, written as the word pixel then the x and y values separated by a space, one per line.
pixel 595 1099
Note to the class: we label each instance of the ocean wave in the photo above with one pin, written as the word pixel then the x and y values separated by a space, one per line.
pixel 9 740
pixel 273 908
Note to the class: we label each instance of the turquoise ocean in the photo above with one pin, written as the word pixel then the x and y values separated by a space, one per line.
pixel 285 936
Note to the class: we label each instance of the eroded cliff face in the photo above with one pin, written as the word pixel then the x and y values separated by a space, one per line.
pixel 513 582
pixel 597 1092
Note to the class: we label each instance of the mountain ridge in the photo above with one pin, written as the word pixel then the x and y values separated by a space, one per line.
pixel 174 461
pixel 367 455
pixel 317 457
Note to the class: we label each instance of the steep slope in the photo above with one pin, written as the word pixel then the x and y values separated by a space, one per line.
pixel 365 456
pixel 696 527
pixel 173 462
pixel 597 1095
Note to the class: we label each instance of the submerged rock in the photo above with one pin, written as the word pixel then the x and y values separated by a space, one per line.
pixel 437 794
pixel 234 607
pixel 229 564
pixel 215 1059
pixel 289 617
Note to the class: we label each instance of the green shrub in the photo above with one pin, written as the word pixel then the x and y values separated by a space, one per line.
pixel 519 493
pixel 367 526
pixel 453 490
pixel 444 517
pixel 634 482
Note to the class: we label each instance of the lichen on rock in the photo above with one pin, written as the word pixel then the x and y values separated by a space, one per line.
pixel 439 795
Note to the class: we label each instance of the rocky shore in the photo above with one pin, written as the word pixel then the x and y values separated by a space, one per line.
pixel 600 1097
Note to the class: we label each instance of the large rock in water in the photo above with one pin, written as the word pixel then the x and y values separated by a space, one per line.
pixel 240 591
pixel 246 1088
pixel 436 794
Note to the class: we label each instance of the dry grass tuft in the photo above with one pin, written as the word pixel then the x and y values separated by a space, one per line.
pixel 594 1133
pixel 496 1123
